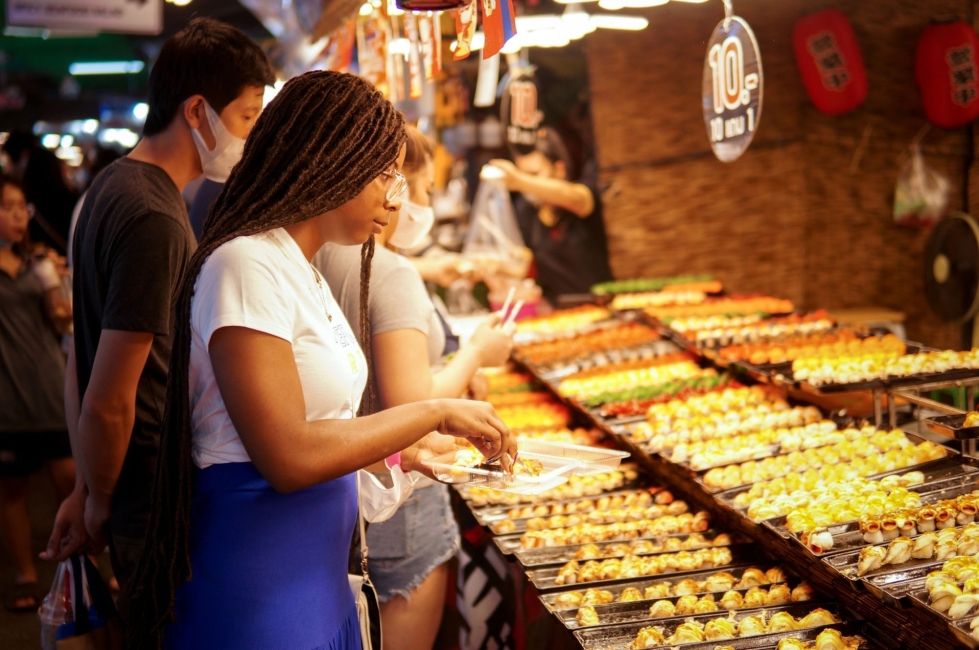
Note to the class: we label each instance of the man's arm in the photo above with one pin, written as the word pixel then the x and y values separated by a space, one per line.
pixel 68 534
pixel 576 198
pixel 106 417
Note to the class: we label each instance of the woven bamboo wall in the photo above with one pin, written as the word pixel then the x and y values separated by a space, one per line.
pixel 806 212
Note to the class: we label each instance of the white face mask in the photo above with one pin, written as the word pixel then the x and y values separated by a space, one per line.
pixel 217 163
pixel 414 223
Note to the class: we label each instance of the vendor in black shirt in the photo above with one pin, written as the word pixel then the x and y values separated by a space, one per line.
pixel 560 219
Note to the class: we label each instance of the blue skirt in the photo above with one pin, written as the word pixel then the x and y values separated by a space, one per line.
pixel 269 569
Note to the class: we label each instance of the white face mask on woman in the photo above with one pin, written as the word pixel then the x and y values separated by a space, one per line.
pixel 414 223
pixel 217 163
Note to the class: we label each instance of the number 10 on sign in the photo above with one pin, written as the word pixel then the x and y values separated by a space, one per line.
pixel 732 88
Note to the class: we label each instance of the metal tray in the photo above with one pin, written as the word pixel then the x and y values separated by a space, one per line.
pixel 934 470
pixel 919 599
pixel 652 511
pixel 770 641
pixel 614 637
pixel 631 476
pixel 893 586
pixel 950 426
pixel 560 554
pixel 492 514
pixel 846 564
pixel 635 611
pixel 543 579
pixel 960 629
pixel 847 536
pixel 550 599
pixel 509 544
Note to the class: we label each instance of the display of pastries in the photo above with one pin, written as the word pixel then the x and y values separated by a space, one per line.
pixel 672 283
pixel 576 486
pixel 614 337
pixel 839 343
pixel 651 373
pixel 563 320
pixel 624 530
pixel 731 627
pixel 626 301
pixel 632 566
pixel 858 446
pixel 782 495
pixel 822 371
pixel 716 583
pixel 733 423
pixel 679 317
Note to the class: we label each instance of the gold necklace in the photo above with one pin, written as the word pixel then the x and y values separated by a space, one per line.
pixel 319 285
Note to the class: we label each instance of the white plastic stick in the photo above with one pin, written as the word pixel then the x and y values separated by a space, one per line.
pixel 506 304
pixel 513 314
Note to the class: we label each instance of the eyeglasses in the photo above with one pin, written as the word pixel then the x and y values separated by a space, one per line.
pixel 18 207
pixel 397 188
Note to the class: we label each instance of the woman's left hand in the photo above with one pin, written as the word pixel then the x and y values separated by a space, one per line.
pixel 415 457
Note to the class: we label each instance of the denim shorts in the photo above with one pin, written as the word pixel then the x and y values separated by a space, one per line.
pixel 406 548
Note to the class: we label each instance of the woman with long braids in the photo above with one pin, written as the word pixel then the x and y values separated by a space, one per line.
pixel 256 497
pixel 409 553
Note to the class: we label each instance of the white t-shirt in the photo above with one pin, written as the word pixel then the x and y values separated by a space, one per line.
pixel 263 282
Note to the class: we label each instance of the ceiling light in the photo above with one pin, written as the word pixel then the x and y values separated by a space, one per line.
pixel 89 127
pixel 615 21
pixel 51 141
pixel 67 141
pixel 140 111
pixel 615 5
pixel 106 67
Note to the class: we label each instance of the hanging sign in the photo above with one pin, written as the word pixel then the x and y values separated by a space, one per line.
pixel 947 71
pixel 145 17
pixel 829 60
pixel 732 87
pixel 521 114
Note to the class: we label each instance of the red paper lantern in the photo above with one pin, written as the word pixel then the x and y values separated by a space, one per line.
pixel 829 60
pixel 947 70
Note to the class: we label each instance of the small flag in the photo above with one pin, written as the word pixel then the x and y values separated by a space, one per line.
pixel 466 18
pixel 416 75
pixel 499 25
pixel 430 33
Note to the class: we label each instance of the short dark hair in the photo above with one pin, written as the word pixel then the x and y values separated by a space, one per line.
pixel 208 58
pixel 24 247
pixel 552 146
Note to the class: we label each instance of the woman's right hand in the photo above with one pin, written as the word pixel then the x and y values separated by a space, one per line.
pixel 492 342
pixel 478 423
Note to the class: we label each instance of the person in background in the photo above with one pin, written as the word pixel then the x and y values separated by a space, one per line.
pixel 33 312
pixel 131 246
pixel 560 218
pixel 42 176
pixel 256 499
pixel 409 552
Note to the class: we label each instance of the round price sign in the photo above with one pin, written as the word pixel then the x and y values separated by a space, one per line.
pixel 732 89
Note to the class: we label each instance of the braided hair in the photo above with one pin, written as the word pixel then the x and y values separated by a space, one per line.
pixel 317 145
